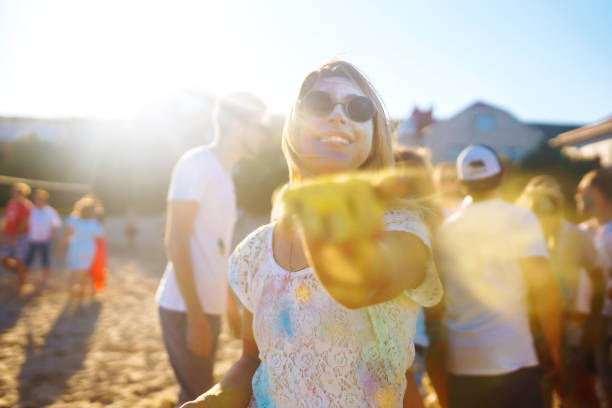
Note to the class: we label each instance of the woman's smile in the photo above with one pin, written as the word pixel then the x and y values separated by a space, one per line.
pixel 334 142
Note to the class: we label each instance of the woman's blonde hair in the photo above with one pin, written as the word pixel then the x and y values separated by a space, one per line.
pixel 381 155
pixel 544 181
pixel 23 188
pixel 417 174
pixel 543 195
pixel 85 208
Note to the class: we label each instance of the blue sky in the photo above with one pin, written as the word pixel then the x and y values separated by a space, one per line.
pixel 544 60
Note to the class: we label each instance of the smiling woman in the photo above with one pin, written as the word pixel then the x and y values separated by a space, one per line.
pixel 330 291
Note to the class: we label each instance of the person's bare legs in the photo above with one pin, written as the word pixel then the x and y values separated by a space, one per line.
pixel 22 275
pixel 71 282
pixel 85 282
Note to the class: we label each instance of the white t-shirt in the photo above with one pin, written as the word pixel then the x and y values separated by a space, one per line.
pixel 584 293
pixel 198 176
pixel 42 222
pixel 479 249
pixel 316 353
pixel 603 243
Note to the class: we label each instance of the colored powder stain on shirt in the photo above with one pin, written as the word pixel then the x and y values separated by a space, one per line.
pixel 261 385
pixel 302 293
pixel 384 397
pixel 386 343
pixel 369 386
pixel 368 383
pixel 285 321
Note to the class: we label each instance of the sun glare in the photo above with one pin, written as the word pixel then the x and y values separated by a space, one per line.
pixel 117 57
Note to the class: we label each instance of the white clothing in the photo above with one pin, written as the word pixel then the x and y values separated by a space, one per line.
pixel 603 244
pixel 42 222
pixel 572 256
pixel 584 292
pixel 198 176
pixel 479 250
pixel 316 353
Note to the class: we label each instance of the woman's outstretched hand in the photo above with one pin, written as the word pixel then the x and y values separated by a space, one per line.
pixel 340 208
pixel 340 220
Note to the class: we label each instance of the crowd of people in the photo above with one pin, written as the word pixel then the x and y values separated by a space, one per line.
pixel 340 293
pixel 368 280
pixel 29 229
pixel 378 270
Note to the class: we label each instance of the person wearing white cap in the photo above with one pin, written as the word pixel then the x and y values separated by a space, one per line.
pixel 192 295
pixel 493 258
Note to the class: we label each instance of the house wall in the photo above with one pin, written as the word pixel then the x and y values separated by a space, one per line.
pixel 601 149
pixel 481 124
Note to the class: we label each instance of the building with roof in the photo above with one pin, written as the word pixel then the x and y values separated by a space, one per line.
pixel 409 132
pixel 481 123
pixel 589 141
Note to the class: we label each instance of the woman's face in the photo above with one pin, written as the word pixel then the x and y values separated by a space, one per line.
pixel 334 142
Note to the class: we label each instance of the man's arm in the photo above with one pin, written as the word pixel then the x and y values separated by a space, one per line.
pixel 55 224
pixel 179 226
pixel 546 302
pixel 63 241
pixel 233 313
pixel 234 390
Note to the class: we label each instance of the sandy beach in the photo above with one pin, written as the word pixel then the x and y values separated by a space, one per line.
pixel 56 352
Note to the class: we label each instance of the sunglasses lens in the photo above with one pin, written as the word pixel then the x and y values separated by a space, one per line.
pixel 318 103
pixel 360 109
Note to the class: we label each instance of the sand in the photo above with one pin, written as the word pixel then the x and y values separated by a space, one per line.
pixel 58 352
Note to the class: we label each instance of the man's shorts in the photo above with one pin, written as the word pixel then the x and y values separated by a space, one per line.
pixel 18 250
pixel 43 248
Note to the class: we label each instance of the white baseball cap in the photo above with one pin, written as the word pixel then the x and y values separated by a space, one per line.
pixel 477 162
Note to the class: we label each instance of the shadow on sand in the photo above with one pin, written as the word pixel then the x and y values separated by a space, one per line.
pixel 44 374
pixel 11 305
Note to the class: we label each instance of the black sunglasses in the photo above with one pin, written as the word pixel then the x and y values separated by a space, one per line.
pixel 320 104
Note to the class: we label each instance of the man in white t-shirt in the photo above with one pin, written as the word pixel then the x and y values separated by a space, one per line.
pixel 492 258
pixel 43 225
pixel 192 294
pixel 594 198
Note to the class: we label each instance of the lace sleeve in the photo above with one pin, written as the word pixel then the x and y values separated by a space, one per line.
pixel 244 264
pixel 429 292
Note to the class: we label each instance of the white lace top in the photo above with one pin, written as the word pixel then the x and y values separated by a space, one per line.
pixel 316 353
